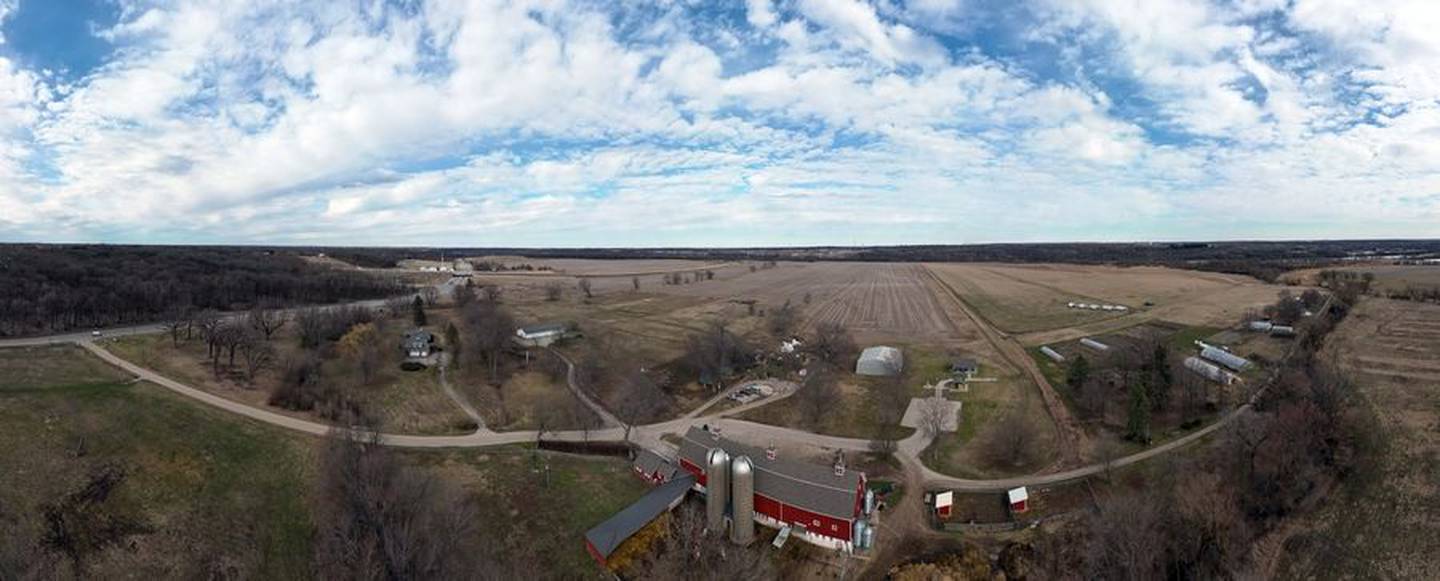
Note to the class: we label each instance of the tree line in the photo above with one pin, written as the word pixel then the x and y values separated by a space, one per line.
pixel 60 288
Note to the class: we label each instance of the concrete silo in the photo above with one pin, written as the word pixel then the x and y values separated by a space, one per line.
pixel 742 521
pixel 717 489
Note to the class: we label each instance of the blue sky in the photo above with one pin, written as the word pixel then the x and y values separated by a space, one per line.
pixel 753 122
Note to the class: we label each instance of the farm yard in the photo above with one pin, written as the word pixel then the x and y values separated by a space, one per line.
pixel 1392 348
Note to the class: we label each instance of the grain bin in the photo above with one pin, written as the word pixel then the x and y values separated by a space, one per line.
pixel 717 491
pixel 742 521
pixel 857 538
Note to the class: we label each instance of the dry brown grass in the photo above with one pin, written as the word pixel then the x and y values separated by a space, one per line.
pixel 1390 529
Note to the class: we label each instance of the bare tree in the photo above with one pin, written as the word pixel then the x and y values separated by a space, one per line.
pixel 584 286
pixel 553 291
pixel 640 401
pixel 782 320
pixel 362 345
pixel 833 345
pixel 1127 542
pixel 715 352
pixel 179 319
pixel 379 518
pixel 635 282
pixel 817 395
pixel 934 415
pixel 257 356
pixel 493 293
pixel 488 330
pixel 1012 442
pixel 267 321
pixel 692 553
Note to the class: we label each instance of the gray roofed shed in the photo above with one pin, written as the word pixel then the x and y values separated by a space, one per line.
pixel 608 535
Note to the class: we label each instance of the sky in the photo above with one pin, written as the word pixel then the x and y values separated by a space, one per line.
pixel 559 123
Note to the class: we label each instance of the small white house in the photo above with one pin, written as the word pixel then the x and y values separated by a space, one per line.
pixel 541 335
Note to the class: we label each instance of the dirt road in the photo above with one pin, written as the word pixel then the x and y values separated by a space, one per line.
pixel 1071 435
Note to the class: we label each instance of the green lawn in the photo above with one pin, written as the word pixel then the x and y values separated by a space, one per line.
pixel 216 492
pixel 534 522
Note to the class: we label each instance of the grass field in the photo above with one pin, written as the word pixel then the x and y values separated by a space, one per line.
pixel 1391 528
pixel 219 495
pixel 408 402
pixel 537 520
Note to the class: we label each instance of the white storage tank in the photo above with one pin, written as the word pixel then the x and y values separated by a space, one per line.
pixel 1093 344
pixel 857 538
pixel 717 491
pixel 1261 326
pixel 1052 354
pixel 742 489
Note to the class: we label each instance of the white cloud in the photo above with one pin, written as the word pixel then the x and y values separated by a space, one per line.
pixel 488 122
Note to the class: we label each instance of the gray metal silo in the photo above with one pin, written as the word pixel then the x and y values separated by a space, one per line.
pixel 717 489
pixel 742 490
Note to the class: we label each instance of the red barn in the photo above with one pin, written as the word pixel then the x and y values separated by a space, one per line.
pixel 820 503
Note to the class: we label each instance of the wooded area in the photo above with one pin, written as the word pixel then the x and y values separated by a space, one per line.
pixel 47 288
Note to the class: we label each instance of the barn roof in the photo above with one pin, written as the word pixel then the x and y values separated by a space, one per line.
pixel 608 535
pixel 648 462
pixel 812 487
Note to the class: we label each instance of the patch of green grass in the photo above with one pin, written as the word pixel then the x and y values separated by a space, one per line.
pixel 538 521
pixel 1183 341
pixel 51 367
pixel 216 489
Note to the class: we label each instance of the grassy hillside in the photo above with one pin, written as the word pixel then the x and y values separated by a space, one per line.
pixel 193 492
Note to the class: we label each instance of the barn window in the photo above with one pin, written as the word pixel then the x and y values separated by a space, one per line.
pixel 817 522
pixel 832 527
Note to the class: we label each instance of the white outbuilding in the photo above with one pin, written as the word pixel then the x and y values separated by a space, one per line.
pixel 880 360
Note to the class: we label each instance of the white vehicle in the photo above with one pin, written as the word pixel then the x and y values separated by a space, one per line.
pixel 95 333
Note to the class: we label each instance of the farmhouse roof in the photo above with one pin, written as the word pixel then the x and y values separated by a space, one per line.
pixel 608 535
pixel 964 364
pixel 805 485
pixel 1018 494
pixel 418 337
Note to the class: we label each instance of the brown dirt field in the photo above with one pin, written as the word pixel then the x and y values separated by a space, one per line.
pixel 594 267
pixel 1031 299
pixel 1388 277
pixel 1390 529
pixel 876 301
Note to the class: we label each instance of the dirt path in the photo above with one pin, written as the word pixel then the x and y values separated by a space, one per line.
pixel 1071 435
pixel 455 396
pixel 605 416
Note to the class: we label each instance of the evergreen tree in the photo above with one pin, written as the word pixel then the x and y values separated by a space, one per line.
pixel 1078 374
pixel 418 307
pixel 1161 381
pixel 1137 428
